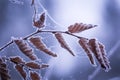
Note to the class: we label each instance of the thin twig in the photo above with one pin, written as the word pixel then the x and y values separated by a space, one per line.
pixel 28 36
pixel 4 46
pixel 39 31
pixel 65 32
pixel 11 42
pixel 73 35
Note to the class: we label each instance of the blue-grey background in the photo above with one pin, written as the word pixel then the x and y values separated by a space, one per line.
pixel 16 21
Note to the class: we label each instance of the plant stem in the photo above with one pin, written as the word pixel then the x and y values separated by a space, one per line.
pixel 66 32
pixel 4 46
pixel 39 31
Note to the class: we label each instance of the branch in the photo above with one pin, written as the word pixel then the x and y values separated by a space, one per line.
pixel 36 32
pixel 6 45
pixel 11 42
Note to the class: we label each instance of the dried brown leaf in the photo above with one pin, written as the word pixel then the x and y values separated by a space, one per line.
pixel 17 59
pixel 25 48
pixel 63 43
pixel 34 75
pixel 4 74
pixel 103 51
pixel 84 44
pixel 40 23
pixel 79 27
pixel 21 70
pixel 37 42
pixel 95 47
pixel 36 65
pixel 33 65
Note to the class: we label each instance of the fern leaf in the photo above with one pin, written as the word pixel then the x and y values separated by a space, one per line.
pixel 79 27
pixel 37 42
pixel 63 43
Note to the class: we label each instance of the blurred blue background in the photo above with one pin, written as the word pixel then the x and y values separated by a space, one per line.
pixel 16 20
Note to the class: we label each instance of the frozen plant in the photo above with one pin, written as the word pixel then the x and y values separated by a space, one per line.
pixel 92 47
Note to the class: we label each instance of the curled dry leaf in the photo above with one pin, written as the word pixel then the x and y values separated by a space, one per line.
pixel 17 60
pixel 34 75
pixel 102 49
pixel 4 74
pixel 37 42
pixel 39 23
pixel 97 49
pixel 36 65
pixel 25 48
pixel 84 44
pixel 33 65
pixel 21 70
pixel 79 27
pixel 63 43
